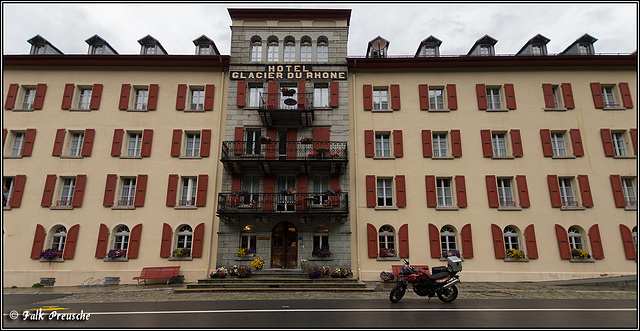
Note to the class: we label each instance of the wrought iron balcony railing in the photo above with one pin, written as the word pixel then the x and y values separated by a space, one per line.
pixel 288 150
pixel 259 203
pixel 281 101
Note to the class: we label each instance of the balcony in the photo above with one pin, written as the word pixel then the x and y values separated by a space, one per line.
pixel 286 110
pixel 275 203
pixel 285 155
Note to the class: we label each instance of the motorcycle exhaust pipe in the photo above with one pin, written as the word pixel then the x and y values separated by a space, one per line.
pixel 451 283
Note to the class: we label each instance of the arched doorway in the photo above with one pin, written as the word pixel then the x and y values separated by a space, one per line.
pixel 284 246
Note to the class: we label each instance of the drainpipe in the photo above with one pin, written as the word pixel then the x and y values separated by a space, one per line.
pixel 354 193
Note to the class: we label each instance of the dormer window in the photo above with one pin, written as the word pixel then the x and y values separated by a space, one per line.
pixel 583 49
pixel 204 50
pixel 429 51
pixel 485 50
pixel 536 49
pixel 39 49
pixel 378 47
pixel 97 49
pixel 150 49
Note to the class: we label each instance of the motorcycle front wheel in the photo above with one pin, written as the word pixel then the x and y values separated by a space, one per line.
pixel 448 294
pixel 397 293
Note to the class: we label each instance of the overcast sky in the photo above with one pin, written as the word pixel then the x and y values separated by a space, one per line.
pixel 458 25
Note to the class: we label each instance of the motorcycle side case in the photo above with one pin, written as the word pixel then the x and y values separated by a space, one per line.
pixel 436 270
pixel 455 263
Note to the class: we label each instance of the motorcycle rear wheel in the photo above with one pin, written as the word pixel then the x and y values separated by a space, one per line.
pixel 397 293
pixel 448 294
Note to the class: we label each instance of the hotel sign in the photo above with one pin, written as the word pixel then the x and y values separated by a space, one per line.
pixel 288 71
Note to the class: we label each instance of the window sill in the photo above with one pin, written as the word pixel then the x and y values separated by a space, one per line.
pixel 123 207
pixel 382 110
pixel 22 110
pixel 442 158
pixel 194 110
pixel 510 157
pixel 591 260
pixel 12 157
pixel 509 259
pixel 445 259
pixel 389 258
pixel 555 109
pixel 81 110
pixel 573 208
pixel 130 157
pixel 614 108
pixel 245 258
pixel 329 258
pixel 185 207
pixel 624 157
pixel 57 259
pixel 61 208
pixel 384 157
pixel 136 110
pixel 181 258
pixel 323 108
pixel 71 157
pixel 447 208
pixel 497 110
pixel 630 208
pixel 438 110
pixel 190 157
pixel 510 208
pixel 117 259
pixel 563 157
pixel 6 208
pixel 386 208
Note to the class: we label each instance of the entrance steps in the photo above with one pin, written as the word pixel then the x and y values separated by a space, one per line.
pixel 277 280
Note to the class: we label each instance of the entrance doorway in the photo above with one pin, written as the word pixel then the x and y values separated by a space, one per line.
pixel 284 246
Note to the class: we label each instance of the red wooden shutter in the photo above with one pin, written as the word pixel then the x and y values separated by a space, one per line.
pixel 398 150
pixel 335 94
pixel 269 188
pixel 209 93
pixel 372 241
pixel 301 191
pixel 401 191
pixel 498 242
pixel 545 137
pixel 270 149
pixel 487 148
pixel 238 137
pixel 371 190
pixel 147 139
pixel 124 97
pixel 626 95
pixel 434 241
pixel 292 142
pixel 4 135
pixel 134 241
pixel 38 242
pixel 272 99
pixel 576 140
pixel 70 242
pixel 11 96
pixel 67 97
pixel 57 144
pixel 403 235
pixel 29 139
pixel 47 195
pixel 18 189
pixel 532 246
pixel 176 142
pixel 461 191
pixel 321 138
pixel 241 98
pixel 585 190
pixel 302 98
pixel 510 96
pixel 38 102
pixel 165 240
pixel 516 143
pixel 452 96
pixel 116 145
pixel 201 198
pixel 492 191
pixel 367 100
pixel 567 93
pixel 627 241
pixel 110 190
pixel 96 96
pixel 523 191
pixel 427 149
pixel 78 192
pixel 236 182
pixel 205 142
pixel 423 92
pixel 369 147
pixel 607 142
pixel 395 96
pixel 547 92
pixel 172 190
pixel 456 143
pixel 198 241
pixel 481 93
pixel 87 144
pixel 467 241
pixel 181 97
pixel 430 184
pixel 554 191
pixel 152 101
pixel 103 238
pixel 141 191
pixel 618 194
pixel 634 140
pixel 596 242
pixel 596 92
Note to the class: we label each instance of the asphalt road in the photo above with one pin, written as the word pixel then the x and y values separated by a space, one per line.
pixel 462 313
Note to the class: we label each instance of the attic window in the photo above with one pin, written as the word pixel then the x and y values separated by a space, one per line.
pixel 204 50
pixel 150 49
pixel 39 49
pixel 536 49
pixel 583 49
pixel 97 49
pixel 429 51
pixel 485 50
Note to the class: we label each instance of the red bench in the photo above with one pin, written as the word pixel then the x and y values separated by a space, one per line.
pixel 158 273
pixel 396 269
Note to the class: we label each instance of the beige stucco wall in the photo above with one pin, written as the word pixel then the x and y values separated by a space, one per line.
pixel 529 118
pixel 19 223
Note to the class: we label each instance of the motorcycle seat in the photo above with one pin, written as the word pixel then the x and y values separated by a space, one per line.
pixel 438 275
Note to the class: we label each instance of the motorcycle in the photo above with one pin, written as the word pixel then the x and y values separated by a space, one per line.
pixel 441 283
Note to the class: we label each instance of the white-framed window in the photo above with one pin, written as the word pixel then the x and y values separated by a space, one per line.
pixel 127 191
pixel 634 235
pixel 558 144
pixel 75 146
pixel 7 190
pixel 566 192
pixel 58 238
pixel 583 49
pixel 256 49
pixel 254 95
pixel 493 98
pixel 485 50
pixel 40 49
pixel 251 184
pixel 436 98
pixel 555 89
pixel 273 50
pixel 184 237
pixel 609 97
pixel 499 142
pixel 448 240
pixel 387 238
pixel 140 98
pixel 429 51
pixel 253 141
pixel 17 144
pixel 305 49
pixel 380 98
pixel 322 49
pixel 150 49
pixel 575 238
pixel 121 238
pixel 536 49
pixel 66 191
pixel 505 193
pixel 84 97
pixel 196 99
pixel 511 238
pixel 289 49
pixel 320 237
pixel 385 192
pixel 629 191
pixel 28 97
pixel 321 95
pixel 440 144
pixel 383 144
pixel 320 186
pixel 443 192
pixel 188 191
pixel 134 144
pixel 618 143
pixel 248 238
pixel 192 144
pixel 204 50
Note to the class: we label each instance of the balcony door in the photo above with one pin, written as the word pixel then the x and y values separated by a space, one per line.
pixel 251 184
pixel 253 142
pixel 284 246
pixel 285 202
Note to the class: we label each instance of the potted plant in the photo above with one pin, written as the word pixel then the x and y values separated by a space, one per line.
pixel 244 271
pixel 233 271
pixel 258 263
pixel 341 273
pixel 287 91
pixel 116 253
pixel 386 252
pixel 182 252
pixel 304 264
pixel 387 276
pixel 219 273
pixel 242 252
pixel 288 191
pixel 239 193
pixel 321 252
pixel 450 252
pixel 306 140
pixel 515 254
pixel 577 253
pixel 333 192
pixel 314 271
pixel 265 140
pixel 50 254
